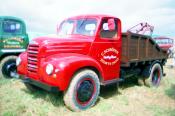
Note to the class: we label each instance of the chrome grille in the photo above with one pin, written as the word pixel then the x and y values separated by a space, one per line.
pixel 32 58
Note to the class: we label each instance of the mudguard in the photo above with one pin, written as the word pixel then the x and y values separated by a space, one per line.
pixel 22 68
pixel 65 66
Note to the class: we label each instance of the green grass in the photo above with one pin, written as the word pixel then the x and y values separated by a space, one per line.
pixel 161 111
pixel 129 99
pixel 17 101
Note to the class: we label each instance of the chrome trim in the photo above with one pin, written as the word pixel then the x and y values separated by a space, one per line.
pixel 32 59
pixel 13 50
pixel 32 52
pixel 32 66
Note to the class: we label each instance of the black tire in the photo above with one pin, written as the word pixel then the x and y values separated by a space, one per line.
pixel 31 88
pixel 83 91
pixel 8 67
pixel 155 76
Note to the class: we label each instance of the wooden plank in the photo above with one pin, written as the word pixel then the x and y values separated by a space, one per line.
pixel 138 48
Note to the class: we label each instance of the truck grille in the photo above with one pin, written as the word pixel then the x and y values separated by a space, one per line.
pixel 32 58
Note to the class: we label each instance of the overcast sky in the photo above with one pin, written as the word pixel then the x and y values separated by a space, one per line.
pixel 44 15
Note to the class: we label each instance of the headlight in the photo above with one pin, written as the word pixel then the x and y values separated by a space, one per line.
pixel 18 61
pixel 49 69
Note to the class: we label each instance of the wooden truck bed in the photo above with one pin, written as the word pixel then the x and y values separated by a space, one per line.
pixel 140 48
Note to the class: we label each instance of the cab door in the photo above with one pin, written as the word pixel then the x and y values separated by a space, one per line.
pixel 106 48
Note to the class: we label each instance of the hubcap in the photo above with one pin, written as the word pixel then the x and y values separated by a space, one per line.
pixel 156 77
pixel 9 69
pixel 85 91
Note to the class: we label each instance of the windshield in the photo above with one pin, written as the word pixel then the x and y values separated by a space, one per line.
pixel 78 26
pixel 164 41
pixel 12 26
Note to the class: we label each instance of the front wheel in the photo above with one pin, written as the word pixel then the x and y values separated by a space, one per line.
pixel 83 91
pixel 155 76
pixel 8 67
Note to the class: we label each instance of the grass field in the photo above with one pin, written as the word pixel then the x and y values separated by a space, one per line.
pixel 129 100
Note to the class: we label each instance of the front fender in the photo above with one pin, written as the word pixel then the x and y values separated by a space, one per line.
pixel 67 64
pixel 22 68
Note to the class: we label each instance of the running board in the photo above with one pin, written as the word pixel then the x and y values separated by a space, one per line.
pixel 114 81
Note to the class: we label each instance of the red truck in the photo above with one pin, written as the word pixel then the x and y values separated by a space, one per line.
pixel 89 51
pixel 164 42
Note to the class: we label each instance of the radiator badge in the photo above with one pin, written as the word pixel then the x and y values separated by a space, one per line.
pixel 109 56
pixel 14 42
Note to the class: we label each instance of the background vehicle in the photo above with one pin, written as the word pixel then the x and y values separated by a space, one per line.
pixel 90 51
pixel 13 41
pixel 164 42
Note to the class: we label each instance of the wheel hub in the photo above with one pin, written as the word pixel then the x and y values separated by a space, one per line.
pixel 85 91
pixel 9 69
pixel 156 77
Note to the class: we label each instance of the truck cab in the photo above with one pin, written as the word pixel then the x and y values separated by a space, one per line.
pixel 13 41
pixel 164 42
pixel 83 41
pixel 87 53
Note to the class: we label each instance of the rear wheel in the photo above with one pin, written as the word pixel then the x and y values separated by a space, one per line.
pixel 8 67
pixel 155 76
pixel 83 91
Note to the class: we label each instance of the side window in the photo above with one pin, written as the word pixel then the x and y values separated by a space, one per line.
pixel 108 28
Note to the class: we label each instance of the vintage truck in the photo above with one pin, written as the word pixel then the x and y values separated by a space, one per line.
pixel 89 51
pixel 164 42
pixel 13 41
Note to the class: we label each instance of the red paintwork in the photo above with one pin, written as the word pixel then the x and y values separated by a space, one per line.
pixel 22 69
pixel 71 53
pixel 164 45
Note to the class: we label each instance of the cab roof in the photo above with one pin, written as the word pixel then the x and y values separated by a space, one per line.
pixel 99 16
pixel 11 17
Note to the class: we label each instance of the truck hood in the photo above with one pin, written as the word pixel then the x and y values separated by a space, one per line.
pixel 52 45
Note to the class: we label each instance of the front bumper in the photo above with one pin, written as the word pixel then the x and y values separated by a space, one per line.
pixel 13 50
pixel 41 85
